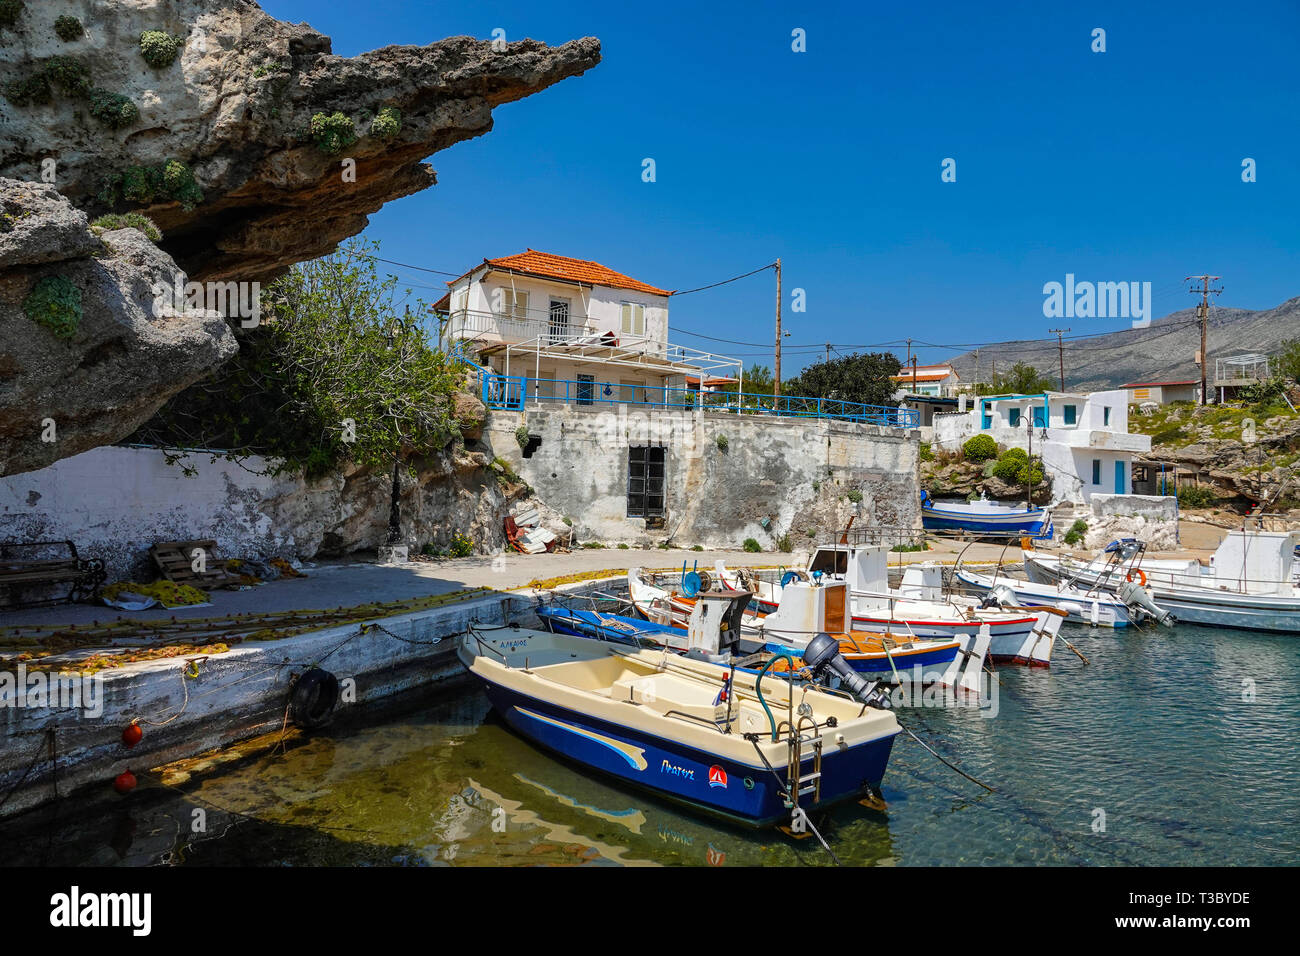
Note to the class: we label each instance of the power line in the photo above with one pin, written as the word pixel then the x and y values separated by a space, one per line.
pixel 714 285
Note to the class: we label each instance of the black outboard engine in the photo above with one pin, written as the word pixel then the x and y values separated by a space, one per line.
pixel 823 654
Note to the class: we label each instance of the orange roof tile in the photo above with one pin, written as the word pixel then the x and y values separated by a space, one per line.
pixel 549 266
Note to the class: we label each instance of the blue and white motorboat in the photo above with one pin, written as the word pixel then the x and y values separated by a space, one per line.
pixel 983 517
pixel 866 653
pixel 754 751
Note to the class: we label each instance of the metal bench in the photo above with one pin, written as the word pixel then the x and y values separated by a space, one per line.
pixel 23 567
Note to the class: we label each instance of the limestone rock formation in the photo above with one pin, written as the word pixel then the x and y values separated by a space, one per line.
pixel 85 358
pixel 254 147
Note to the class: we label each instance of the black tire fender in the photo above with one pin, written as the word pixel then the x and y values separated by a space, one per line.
pixel 313 698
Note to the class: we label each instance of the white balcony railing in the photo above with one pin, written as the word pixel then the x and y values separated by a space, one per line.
pixel 491 327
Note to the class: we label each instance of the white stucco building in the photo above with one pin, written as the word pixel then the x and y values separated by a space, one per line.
pixel 573 328
pixel 935 381
pixel 1083 438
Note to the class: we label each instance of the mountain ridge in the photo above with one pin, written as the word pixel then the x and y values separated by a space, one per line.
pixel 1163 351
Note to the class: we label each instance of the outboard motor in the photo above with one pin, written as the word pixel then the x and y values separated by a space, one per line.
pixel 1138 598
pixel 1000 596
pixel 1125 548
pixel 823 654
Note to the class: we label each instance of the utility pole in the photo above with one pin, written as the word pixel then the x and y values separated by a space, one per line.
pixel 1203 312
pixel 913 374
pixel 776 384
pixel 1060 351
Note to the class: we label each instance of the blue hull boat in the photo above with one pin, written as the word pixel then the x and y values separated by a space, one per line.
pixel 629 630
pixel 691 736
pixel 984 518
pixel 605 627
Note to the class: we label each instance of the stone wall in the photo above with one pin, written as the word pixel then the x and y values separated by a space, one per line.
pixel 1149 518
pixel 774 477
pixel 114 502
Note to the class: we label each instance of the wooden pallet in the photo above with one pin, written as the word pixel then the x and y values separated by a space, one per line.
pixel 173 559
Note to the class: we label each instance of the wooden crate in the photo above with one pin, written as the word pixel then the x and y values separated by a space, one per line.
pixel 174 561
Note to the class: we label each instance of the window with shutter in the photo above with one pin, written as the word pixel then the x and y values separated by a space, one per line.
pixel 633 318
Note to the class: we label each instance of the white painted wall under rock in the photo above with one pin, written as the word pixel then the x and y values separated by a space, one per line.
pixel 714 498
pixel 115 502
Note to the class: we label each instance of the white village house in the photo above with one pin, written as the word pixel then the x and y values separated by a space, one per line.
pixel 935 381
pixel 1083 438
pixel 574 330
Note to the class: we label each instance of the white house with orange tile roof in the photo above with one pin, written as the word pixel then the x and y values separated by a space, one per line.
pixel 934 380
pixel 570 326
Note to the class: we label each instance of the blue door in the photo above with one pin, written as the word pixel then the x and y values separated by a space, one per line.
pixel 1121 487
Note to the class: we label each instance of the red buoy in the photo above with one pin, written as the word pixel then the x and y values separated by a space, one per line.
pixel 125 782
pixel 133 734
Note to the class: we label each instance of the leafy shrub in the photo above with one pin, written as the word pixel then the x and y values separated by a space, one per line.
pixel 980 448
pixel 387 124
pixel 70 77
pixel 522 436
pixel 132 220
pixel 170 181
pixel 1077 530
pixel 696 547
pixel 784 543
pixel 1263 392
pixel 1196 496
pixel 68 28
pixel 622 547
pixel 925 451
pixel 114 110
pixel 721 442
pixel 752 546
pixel 55 303
pixel 159 49
pixel 10 11
pixel 917 546
pixel 332 133
pixel 460 546
pixel 853 495
pixel 1009 466
pixel 817 486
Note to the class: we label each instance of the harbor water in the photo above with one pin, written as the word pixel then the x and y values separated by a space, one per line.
pixel 1172 747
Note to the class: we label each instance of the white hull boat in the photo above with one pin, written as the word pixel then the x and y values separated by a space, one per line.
pixel 1247 586
pixel 1094 607
pixel 919 609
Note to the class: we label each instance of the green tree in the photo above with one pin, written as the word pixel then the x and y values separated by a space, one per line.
pixel 336 345
pixel 861 377
pixel 1021 379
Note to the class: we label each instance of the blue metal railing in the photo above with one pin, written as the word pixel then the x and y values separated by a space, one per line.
pixel 511 391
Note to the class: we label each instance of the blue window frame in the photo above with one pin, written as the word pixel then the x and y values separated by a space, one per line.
pixel 1096 471
pixel 1071 414
pixel 1040 417
pixel 1013 417
pixel 1121 485
pixel 1105 415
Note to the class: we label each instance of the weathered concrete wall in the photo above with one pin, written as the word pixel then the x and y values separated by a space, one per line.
pixel 1150 518
pixel 227 697
pixel 801 476
pixel 115 502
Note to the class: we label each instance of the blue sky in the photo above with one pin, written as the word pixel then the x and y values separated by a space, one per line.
pixel 1115 166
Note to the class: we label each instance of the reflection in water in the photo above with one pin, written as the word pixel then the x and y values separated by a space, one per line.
pixel 1156 753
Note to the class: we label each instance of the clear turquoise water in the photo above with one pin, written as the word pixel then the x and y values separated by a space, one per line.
pixel 1155 733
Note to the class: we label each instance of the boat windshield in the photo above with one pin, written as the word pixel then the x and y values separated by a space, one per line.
pixel 830 561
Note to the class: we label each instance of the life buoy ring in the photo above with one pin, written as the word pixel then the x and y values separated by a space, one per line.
pixel 1141 576
pixel 312 701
